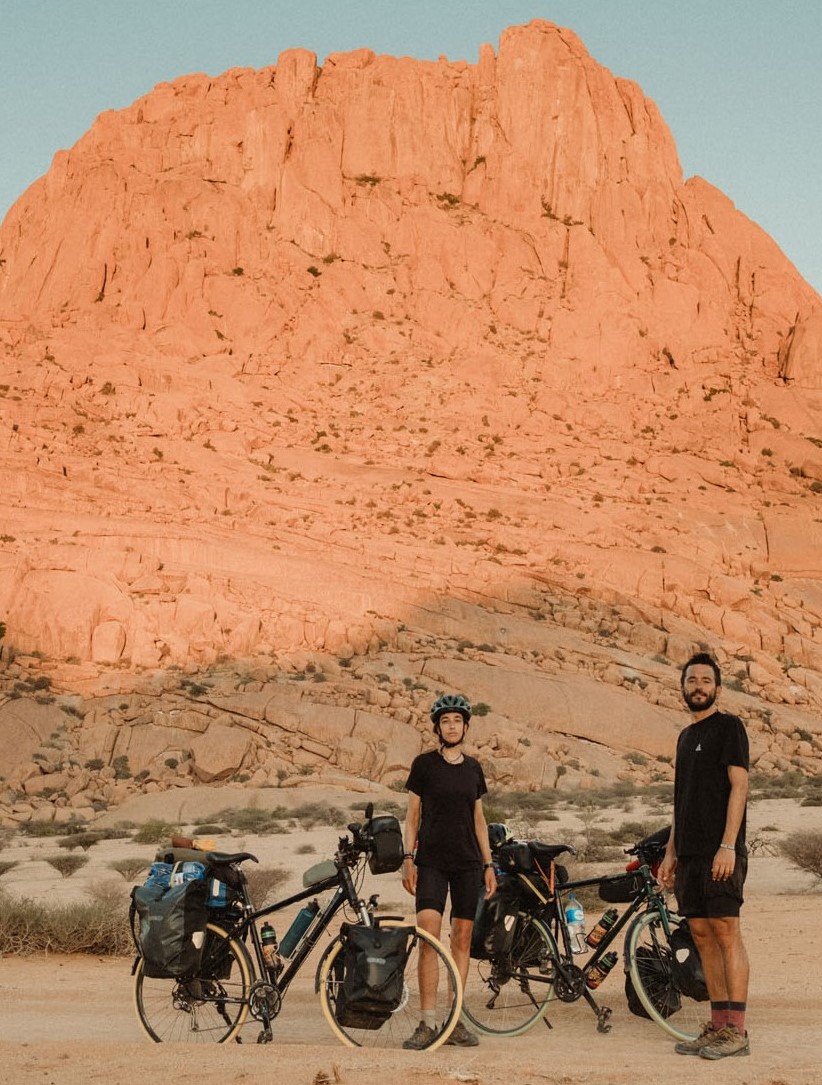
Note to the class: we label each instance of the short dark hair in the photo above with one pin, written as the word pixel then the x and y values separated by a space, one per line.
pixel 705 660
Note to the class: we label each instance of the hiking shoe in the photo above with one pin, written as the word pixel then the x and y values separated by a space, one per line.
pixel 461 1037
pixel 728 1041
pixel 693 1047
pixel 422 1037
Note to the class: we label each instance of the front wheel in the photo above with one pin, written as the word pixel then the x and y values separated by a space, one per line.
pixel 211 1008
pixel 508 995
pixel 648 956
pixel 393 1029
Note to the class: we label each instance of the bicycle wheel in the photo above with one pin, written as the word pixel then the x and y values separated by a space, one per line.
pixel 648 960
pixel 210 1008
pixel 509 994
pixel 399 1025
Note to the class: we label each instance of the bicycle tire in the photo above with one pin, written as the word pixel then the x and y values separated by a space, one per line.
pixel 506 996
pixel 400 1025
pixel 648 956
pixel 211 1008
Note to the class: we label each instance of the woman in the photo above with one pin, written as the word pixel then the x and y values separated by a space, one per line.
pixel 446 852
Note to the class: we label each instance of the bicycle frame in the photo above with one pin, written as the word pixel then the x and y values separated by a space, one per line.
pixel 572 977
pixel 346 893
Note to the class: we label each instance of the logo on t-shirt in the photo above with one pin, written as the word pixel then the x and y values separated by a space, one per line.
pixel 698 748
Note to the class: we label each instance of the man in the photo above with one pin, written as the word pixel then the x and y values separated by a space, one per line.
pixel 706 858
pixel 446 852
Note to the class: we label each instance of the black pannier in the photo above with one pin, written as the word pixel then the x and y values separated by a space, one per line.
pixel 170 928
pixel 658 983
pixel 686 966
pixel 495 921
pixel 386 854
pixel 370 973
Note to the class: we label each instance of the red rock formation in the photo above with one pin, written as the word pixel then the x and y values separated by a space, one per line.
pixel 292 351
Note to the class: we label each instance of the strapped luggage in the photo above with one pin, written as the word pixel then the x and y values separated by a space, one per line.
pixel 371 974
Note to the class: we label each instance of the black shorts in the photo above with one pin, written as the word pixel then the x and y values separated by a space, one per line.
pixel 465 887
pixel 699 896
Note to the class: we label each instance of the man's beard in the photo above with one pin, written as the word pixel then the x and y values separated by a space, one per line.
pixel 698 701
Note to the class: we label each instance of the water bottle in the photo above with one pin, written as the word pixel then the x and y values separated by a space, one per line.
pixel 575 918
pixel 302 921
pixel 601 929
pixel 268 937
pixel 601 970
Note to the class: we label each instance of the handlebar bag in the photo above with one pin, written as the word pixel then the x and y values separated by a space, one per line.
pixel 387 846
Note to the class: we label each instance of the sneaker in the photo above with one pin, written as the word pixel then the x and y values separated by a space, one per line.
pixel 693 1047
pixel 423 1037
pixel 728 1041
pixel 461 1037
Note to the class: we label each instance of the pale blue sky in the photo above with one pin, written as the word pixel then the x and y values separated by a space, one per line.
pixel 739 82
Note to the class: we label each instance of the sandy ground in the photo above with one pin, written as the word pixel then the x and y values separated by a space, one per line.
pixel 70 1020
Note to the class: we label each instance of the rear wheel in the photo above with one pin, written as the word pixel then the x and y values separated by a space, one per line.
pixel 508 995
pixel 648 956
pixel 211 1008
pixel 392 1029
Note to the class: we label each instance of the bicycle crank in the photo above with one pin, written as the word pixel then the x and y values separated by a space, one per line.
pixel 569 982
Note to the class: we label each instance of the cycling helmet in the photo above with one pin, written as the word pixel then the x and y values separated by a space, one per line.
pixel 450 702
pixel 498 834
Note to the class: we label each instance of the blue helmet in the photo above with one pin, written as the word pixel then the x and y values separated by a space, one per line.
pixel 450 702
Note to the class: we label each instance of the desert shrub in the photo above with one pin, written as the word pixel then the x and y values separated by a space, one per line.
pixel 28 926
pixel 804 849
pixel 111 892
pixel 262 883
pixel 208 829
pixel 305 849
pixel 155 831
pixel 251 819
pixel 129 867
pixel 310 814
pixel 44 828
pixel 66 865
pixel 82 840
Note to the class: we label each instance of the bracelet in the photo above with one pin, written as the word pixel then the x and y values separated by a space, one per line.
pixel 488 866
pixel 728 847
pixel 408 855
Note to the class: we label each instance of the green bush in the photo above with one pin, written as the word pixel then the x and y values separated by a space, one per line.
pixel 129 867
pixel 66 865
pixel 155 831
pixel 251 819
pixel 28 926
pixel 804 849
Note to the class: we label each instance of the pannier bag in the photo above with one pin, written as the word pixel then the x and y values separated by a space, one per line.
pixel 372 983
pixel 495 922
pixel 386 853
pixel 686 966
pixel 659 984
pixel 170 928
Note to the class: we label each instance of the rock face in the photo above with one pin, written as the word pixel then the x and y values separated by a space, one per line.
pixel 293 356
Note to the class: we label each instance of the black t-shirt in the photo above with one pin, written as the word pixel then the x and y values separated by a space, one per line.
pixel 701 786
pixel 447 837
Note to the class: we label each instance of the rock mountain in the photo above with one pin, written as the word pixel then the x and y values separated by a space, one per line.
pixel 314 372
